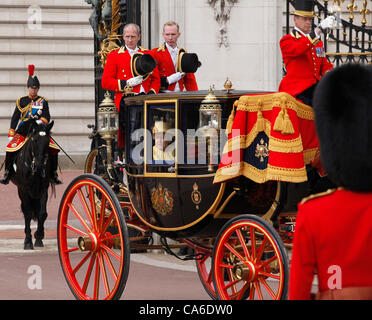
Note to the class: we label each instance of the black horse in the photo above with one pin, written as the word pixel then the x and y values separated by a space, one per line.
pixel 33 177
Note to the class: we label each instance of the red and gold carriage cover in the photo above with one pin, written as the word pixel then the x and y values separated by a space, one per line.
pixel 270 137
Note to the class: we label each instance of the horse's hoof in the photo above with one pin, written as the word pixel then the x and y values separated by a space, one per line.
pixel 28 246
pixel 39 243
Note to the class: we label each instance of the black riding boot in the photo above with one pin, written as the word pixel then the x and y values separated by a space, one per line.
pixel 54 166
pixel 9 171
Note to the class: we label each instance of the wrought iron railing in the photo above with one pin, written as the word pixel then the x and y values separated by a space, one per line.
pixel 352 40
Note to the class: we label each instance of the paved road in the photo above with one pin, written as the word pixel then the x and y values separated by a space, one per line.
pixel 152 276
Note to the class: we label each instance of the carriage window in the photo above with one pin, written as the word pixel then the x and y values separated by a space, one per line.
pixel 161 141
pixel 135 138
pixel 201 152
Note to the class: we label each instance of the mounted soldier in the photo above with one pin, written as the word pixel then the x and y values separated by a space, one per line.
pixel 28 107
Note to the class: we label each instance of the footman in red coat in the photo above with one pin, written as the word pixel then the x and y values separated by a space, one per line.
pixel 176 66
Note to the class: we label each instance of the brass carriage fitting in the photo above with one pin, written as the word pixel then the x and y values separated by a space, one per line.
pixel 88 243
pixel 246 271
pixel 228 85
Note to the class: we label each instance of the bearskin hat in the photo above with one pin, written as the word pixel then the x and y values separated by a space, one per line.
pixel 343 116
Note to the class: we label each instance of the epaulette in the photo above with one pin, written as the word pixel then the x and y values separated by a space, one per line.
pixel 318 195
pixel 295 34
pixel 162 48
pixel 121 49
pixel 143 48
pixel 42 98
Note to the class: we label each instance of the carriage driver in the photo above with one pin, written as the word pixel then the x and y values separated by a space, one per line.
pixel 28 106
pixel 303 53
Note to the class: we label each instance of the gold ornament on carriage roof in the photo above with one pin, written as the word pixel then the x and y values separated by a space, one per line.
pixel 162 200
pixel 228 85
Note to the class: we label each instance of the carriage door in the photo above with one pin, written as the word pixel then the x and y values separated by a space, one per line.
pixel 161 138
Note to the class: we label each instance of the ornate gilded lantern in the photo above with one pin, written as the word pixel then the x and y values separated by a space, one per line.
pixel 210 125
pixel 108 124
pixel 210 112
pixel 107 117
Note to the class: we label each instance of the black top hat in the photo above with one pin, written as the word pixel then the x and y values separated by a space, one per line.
pixel 32 81
pixel 304 8
pixel 187 62
pixel 142 64
pixel 343 117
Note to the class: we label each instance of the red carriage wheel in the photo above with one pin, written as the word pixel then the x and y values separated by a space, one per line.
pixel 93 241
pixel 249 261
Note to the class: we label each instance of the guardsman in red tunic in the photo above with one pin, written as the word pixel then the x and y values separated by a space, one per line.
pixel 333 235
pixel 120 71
pixel 303 53
pixel 30 106
pixel 168 55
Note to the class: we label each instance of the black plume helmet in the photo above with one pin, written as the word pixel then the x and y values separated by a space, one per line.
pixel 32 81
pixel 187 62
pixel 343 116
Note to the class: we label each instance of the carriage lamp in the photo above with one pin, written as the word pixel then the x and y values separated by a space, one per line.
pixel 108 124
pixel 210 112
pixel 107 117
pixel 210 123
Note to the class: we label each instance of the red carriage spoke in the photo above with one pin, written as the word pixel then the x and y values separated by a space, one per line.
pixel 78 231
pixel 85 206
pixel 88 273
pixel 77 214
pixel 82 262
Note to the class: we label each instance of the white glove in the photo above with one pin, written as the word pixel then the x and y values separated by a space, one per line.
pixel 10 139
pixel 328 23
pixel 39 121
pixel 175 77
pixel 136 81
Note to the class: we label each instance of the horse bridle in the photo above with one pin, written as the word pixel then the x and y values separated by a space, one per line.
pixel 33 162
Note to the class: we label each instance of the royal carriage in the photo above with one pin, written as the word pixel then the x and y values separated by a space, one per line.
pixel 226 185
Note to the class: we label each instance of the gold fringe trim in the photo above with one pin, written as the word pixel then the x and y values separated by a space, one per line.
pixel 230 121
pixel 309 155
pixel 260 176
pixel 249 104
pixel 285 146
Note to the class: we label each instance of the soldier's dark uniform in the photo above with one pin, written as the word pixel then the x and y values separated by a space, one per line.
pixel 28 107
